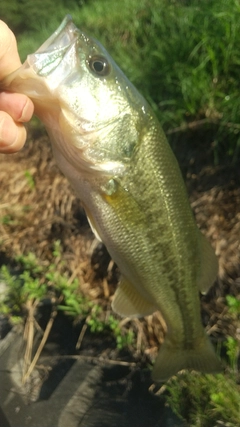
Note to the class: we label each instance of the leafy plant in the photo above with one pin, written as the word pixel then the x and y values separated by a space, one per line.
pixel 183 56
pixel 124 338
pixel 97 323
pixel 233 305
pixel 30 179
pixel 233 344
pixel 205 400
pixel 38 280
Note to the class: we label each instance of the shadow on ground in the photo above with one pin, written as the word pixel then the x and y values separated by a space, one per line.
pixel 87 389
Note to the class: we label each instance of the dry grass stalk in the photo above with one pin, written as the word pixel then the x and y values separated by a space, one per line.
pixel 40 347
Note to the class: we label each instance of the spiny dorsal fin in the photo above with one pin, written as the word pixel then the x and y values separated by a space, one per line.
pixel 209 265
pixel 128 302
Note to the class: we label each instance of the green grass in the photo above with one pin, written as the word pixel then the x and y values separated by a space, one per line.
pixel 205 400
pixel 183 56
pixel 38 280
pixel 200 400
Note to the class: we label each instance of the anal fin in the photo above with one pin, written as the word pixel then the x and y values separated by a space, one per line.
pixel 128 302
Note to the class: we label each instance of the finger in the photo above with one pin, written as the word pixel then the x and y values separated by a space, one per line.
pixel 12 135
pixel 9 58
pixel 18 106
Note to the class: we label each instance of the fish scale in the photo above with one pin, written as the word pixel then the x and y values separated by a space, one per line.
pixel 109 144
pixel 167 255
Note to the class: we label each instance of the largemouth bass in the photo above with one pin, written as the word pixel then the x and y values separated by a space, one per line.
pixel 109 144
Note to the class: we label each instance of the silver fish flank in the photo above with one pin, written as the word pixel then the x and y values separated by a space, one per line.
pixel 109 144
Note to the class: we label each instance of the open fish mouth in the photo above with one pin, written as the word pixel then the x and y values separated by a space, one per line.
pixel 50 54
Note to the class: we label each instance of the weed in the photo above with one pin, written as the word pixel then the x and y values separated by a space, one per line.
pixel 124 338
pixel 205 400
pixel 183 56
pixel 233 305
pixel 97 322
pixel 30 263
pixel 38 280
pixel 7 220
pixel 30 179
pixel 233 344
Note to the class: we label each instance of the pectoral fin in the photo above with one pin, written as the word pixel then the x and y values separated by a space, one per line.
pixel 209 265
pixel 128 302
pixel 92 225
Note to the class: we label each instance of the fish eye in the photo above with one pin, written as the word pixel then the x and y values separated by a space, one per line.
pixel 99 65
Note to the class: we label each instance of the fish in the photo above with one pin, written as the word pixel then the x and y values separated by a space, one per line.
pixel 109 144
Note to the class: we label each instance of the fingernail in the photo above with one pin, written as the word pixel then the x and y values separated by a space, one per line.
pixel 26 112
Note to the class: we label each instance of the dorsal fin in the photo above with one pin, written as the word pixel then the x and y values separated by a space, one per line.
pixel 209 265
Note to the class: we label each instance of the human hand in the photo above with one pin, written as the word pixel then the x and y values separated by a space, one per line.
pixel 15 108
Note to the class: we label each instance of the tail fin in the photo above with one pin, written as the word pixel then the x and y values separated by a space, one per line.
pixel 170 360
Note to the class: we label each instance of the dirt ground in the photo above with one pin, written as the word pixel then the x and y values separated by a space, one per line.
pixel 37 206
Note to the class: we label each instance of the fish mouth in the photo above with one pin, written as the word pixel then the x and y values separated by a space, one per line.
pixel 50 54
